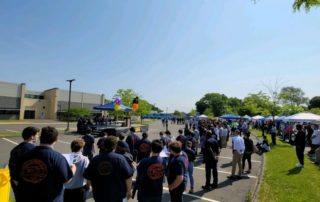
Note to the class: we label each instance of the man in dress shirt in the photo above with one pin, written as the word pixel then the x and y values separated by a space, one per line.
pixel 238 150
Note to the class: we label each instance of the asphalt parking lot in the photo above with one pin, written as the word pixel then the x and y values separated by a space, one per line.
pixel 228 190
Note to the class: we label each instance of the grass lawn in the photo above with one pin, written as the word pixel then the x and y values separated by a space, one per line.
pixel 12 121
pixel 9 134
pixel 282 181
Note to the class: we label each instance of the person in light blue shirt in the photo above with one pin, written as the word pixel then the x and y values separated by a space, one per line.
pixel 75 189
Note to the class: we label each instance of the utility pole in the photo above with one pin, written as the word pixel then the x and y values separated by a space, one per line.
pixel 68 115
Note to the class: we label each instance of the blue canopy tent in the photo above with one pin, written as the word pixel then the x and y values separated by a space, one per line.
pixel 230 116
pixel 280 119
pixel 110 107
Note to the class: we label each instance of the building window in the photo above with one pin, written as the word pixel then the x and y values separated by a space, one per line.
pixel 30 96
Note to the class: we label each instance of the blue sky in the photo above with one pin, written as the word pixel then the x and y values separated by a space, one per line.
pixel 171 52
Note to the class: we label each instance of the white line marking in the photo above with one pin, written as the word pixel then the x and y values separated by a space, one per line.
pixel 64 142
pixel 15 143
pixel 14 131
pixel 195 196
pixel 225 172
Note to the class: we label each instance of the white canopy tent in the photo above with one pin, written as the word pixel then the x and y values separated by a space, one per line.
pixel 202 116
pixel 270 118
pixel 257 117
pixel 303 117
pixel 246 117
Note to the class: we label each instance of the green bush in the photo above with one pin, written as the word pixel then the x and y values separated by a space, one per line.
pixel 75 113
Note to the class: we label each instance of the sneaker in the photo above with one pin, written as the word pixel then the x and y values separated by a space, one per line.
pixel 248 171
pixel 206 188
pixel 298 165
pixel 191 191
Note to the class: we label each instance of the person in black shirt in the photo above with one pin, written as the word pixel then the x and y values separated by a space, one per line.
pixel 247 151
pixel 300 142
pixel 211 154
pixel 29 136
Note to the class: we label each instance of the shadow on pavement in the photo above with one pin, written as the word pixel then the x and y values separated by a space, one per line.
pixel 225 165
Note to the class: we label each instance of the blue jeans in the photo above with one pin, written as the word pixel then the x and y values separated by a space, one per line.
pixel 190 173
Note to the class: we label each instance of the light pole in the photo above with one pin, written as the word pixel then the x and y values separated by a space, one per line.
pixel 68 115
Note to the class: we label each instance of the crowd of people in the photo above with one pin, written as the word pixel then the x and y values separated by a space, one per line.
pixel 298 134
pixel 39 173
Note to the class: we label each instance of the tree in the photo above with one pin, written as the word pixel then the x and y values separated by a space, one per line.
pixel 307 4
pixel 193 112
pixel 215 102
pixel 292 96
pixel 288 110
pixel 233 105
pixel 314 102
pixel 254 104
pixel 274 96
pixel 127 95
pixel 315 111
pixel 177 113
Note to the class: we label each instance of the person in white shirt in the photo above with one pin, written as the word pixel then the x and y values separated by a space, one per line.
pixel 315 140
pixel 224 135
pixel 238 150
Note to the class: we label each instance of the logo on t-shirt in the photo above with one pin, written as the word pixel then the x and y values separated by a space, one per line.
pixel 105 168
pixel 144 147
pixel 34 171
pixel 155 171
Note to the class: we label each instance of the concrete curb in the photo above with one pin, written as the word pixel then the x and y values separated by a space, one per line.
pixel 260 178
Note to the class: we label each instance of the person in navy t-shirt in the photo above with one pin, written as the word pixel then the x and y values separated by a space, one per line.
pixel 109 174
pixel 143 147
pixel 132 140
pixel 177 171
pixel 88 149
pixel 150 175
pixel 43 171
pixel 29 136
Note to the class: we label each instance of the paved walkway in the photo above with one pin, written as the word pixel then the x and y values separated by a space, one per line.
pixel 227 190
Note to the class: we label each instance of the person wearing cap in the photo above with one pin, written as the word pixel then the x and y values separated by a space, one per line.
pixel 88 149
pixel 29 135
pixel 109 174
pixel 238 148
pixel 143 147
